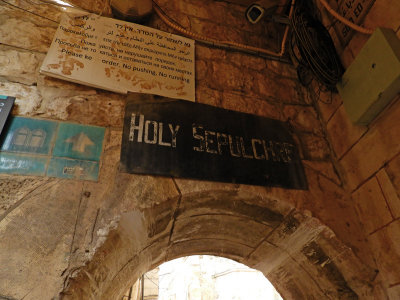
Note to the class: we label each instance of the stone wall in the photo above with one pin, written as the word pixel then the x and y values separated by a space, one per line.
pixel 368 159
pixel 91 240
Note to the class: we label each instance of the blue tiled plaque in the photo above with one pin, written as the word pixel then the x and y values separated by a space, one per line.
pixel 26 135
pixel 11 163
pixel 79 141
pixel 73 169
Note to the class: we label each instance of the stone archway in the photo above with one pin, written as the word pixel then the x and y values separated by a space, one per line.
pixel 297 253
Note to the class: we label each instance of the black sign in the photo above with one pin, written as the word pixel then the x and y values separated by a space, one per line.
pixel 6 104
pixel 184 139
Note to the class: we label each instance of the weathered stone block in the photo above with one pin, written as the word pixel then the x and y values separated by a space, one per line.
pixel 328 104
pixel 295 284
pixel 314 147
pixel 208 96
pixel 267 257
pixel 222 248
pixel 19 66
pixel 279 89
pixel 207 28
pixel 343 134
pixel 201 69
pixel 385 245
pixel 225 76
pixel 208 53
pixel 24 30
pixel 102 109
pixel 389 192
pixel 250 105
pixel 44 221
pixel 324 270
pixel 231 228
pixel 14 189
pixel 385 14
pixel 325 168
pixel 355 273
pixel 347 57
pixel 295 231
pixel 27 100
pixel 244 204
pixel 371 205
pixel 302 118
pixel 281 69
pixel 357 43
pixel 377 147
pixel 394 292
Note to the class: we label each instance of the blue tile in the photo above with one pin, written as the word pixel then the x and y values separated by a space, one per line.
pixel 79 141
pixel 73 169
pixel 26 135
pixel 3 97
pixel 22 164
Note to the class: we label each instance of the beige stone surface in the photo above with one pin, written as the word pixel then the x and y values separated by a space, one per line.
pixel 289 287
pixel 302 118
pixel 314 147
pixel 380 16
pixel 244 205
pixel 355 273
pixel 19 66
pixel 372 206
pixel 36 243
pixel 394 292
pixel 324 271
pixel 282 90
pixel 386 243
pixel 324 168
pixel 24 30
pixel 226 249
pixel 347 57
pixel 230 228
pixel 255 106
pixel 357 43
pixel 28 98
pixel 376 148
pixel 393 171
pixel 93 239
pixel 389 192
pixel 328 104
pixel 15 189
pixel 343 133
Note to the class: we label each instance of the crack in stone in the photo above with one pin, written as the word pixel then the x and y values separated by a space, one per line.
pixel 22 200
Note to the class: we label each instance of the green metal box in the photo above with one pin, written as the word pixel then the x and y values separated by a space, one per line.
pixel 373 79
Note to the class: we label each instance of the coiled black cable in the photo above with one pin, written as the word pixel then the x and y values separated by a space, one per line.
pixel 316 54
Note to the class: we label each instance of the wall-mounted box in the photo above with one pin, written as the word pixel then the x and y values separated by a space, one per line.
pixel 373 79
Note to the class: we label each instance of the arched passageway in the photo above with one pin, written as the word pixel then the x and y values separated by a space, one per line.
pixel 90 240
pixel 298 254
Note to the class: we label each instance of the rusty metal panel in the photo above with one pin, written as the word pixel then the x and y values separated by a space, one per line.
pixel 190 140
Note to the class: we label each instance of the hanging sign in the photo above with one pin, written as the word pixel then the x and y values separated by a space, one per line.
pixel 182 139
pixel 6 104
pixel 121 57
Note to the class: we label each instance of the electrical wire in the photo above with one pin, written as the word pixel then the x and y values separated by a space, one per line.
pixel 224 44
pixel 313 50
pixel 344 20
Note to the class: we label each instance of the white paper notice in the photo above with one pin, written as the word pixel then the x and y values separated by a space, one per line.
pixel 121 57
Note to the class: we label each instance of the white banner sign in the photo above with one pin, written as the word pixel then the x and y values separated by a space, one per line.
pixel 121 57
